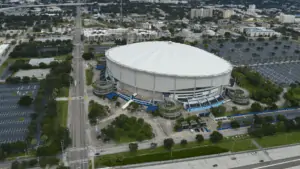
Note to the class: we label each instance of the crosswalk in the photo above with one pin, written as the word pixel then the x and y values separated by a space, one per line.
pixel 72 98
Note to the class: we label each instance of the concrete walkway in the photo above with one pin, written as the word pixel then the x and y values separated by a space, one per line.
pixel 71 98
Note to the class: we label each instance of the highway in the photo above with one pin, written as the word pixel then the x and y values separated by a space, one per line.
pixel 77 123
pixel 276 164
pixel 44 5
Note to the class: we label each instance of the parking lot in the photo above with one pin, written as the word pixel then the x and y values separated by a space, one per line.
pixel 14 119
pixel 101 48
pixel 282 74
pixel 253 52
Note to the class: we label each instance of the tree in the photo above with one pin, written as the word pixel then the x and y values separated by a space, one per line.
pixel 25 101
pixel 118 104
pixel 215 137
pixel 26 79
pixel 235 124
pixel 281 117
pixel 256 107
pixel 234 108
pixel 199 138
pixel 258 120
pixel 280 126
pixel 133 147
pixel 268 119
pixel 273 106
pixel 227 35
pixel 183 142
pixel 87 56
pixel 168 143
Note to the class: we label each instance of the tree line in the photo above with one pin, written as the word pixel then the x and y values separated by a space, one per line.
pixel 124 127
pixel 45 119
pixel 265 126
pixel 34 49
pixel 13 22
pixel 96 112
pixel 261 90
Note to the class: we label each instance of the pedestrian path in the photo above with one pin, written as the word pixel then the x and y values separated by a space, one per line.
pixel 72 98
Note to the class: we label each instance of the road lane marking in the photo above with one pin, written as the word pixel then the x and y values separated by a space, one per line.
pixel 266 166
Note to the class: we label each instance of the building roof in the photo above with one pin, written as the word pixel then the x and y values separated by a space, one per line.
pixel 168 58
pixel 36 62
pixel 3 47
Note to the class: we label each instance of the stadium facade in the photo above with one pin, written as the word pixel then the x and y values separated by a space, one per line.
pixel 160 70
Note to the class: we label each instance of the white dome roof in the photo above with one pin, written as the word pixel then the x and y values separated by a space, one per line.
pixel 168 58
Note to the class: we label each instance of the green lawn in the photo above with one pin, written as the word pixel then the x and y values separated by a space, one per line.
pixel 279 139
pixel 241 144
pixel 126 140
pixel 296 92
pixel 61 57
pixel 89 76
pixel 158 156
pixel 4 65
pixel 62 109
pixel 63 92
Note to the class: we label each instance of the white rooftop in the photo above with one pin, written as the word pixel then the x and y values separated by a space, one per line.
pixel 36 62
pixel 168 58
pixel 38 73
pixel 3 47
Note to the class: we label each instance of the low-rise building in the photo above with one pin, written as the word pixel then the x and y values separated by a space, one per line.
pixel 132 35
pixel 260 31
pixel 228 13
pixel 36 62
pixel 3 49
pixel 286 18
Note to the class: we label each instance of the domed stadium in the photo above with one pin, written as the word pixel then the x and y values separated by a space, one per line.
pixel 158 70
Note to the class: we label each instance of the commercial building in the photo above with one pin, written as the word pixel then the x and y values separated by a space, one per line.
pixel 260 31
pixel 158 71
pixel 228 13
pixel 36 62
pixel 251 9
pixel 286 18
pixel 134 35
pixel 201 13
pixel 3 49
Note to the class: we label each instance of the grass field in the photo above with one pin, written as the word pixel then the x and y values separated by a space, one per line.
pixel 62 109
pixel 63 92
pixel 160 156
pixel 89 76
pixel 241 144
pixel 4 65
pixel 61 57
pixel 279 139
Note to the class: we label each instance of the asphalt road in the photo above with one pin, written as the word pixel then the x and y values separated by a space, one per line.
pixel 276 164
pixel 77 113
